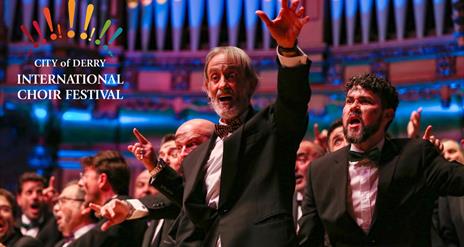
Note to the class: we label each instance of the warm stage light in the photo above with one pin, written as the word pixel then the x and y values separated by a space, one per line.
pixel 132 4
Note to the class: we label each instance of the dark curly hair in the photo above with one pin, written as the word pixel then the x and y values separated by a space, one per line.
pixel 380 87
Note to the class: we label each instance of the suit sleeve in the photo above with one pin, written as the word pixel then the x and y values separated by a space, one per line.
pixel 170 184
pixel 311 231
pixel 442 176
pixel 293 95
pixel 160 207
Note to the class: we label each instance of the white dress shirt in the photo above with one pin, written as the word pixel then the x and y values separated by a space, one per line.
pixel 32 232
pixel 362 190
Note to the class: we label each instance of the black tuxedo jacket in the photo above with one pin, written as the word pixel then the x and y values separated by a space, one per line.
pixel 411 176
pixel 450 221
pixel 49 233
pixel 257 178
pixel 160 207
pixel 166 239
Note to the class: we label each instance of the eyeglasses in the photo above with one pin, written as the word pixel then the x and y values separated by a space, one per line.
pixel 85 176
pixel 61 200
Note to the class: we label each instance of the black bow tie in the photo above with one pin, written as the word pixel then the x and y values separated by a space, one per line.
pixel 224 130
pixel 373 155
pixel 30 225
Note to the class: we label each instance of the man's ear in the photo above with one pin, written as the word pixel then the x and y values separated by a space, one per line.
pixel 102 180
pixel 389 114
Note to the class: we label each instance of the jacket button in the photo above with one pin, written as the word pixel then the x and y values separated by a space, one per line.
pixel 371 242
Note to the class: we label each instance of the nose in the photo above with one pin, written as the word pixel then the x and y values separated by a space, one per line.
pixel 56 208
pixel 447 156
pixel 222 83
pixel 183 152
pixel 355 107
pixel 36 195
pixel 355 104
pixel 81 182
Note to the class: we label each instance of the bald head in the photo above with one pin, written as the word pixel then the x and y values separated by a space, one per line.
pixel 453 151
pixel 200 126
pixel 191 134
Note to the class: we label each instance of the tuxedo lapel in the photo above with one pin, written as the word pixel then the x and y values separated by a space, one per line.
pixel 340 179
pixel 295 209
pixel 387 166
pixel 194 191
pixel 148 236
pixel 194 170
pixel 230 159
pixel 229 165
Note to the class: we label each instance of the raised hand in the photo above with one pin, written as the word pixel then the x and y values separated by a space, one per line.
pixel 286 27
pixel 414 123
pixel 143 150
pixel 320 137
pixel 49 194
pixel 431 138
pixel 115 211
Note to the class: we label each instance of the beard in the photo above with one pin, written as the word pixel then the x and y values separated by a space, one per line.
pixel 364 133
pixel 230 110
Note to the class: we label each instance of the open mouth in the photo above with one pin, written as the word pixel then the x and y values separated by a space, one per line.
pixel 299 177
pixel 35 207
pixel 225 98
pixel 354 121
pixel 58 219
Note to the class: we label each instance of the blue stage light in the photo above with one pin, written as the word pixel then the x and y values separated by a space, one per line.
pixel 76 116
pixel 40 112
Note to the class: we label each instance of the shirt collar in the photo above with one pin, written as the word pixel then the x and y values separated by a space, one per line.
pixel 83 230
pixel 379 145
pixel 27 221
pixel 242 117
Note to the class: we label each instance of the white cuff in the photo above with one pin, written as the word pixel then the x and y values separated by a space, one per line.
pixel 292 61
pixel 140 209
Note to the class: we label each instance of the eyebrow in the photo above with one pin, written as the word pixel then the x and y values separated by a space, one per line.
pixel 361 97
